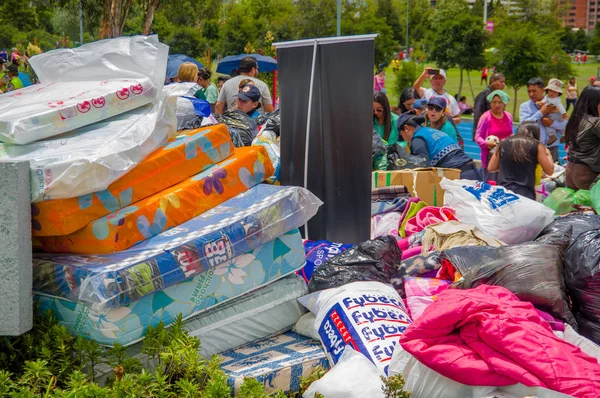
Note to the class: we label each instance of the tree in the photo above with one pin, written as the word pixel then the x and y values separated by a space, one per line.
pixel 361 18
pixel 567 39
pixel 316 18
pixel 150 7
pixel 115 16
pixel 524 50
pixel 387 10
pixel 594 46
pixel 477 9
pixel 581 40
pixel 456 37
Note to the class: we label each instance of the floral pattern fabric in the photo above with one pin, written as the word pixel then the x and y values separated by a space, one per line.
pixel 189 153
pixel 128 324
pixel 166 209
pixel 208 241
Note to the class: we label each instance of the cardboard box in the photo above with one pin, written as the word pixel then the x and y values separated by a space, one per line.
pixel 422 183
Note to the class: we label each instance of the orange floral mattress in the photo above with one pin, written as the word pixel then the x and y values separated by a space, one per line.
pixel 120 230
pixel 187 154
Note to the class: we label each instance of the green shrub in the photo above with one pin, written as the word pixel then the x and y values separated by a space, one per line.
pixel 405 77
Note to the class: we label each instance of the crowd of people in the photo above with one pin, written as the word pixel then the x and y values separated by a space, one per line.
pixel 425 123
pixel 243 92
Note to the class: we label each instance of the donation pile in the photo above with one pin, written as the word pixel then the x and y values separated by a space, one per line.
pixel 483 294
pixel 136 222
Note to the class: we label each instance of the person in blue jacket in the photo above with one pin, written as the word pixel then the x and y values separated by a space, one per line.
pixel 437 147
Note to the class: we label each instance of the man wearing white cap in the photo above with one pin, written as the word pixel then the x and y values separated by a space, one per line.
pixel 437 77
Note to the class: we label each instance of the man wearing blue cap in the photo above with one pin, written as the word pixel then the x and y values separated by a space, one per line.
pixel 437 147
pixel 248 100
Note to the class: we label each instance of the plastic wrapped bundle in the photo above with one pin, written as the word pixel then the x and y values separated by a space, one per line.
pixel 375 260
pixel 532 271
pixel 82 86
pixel 582 272
pixel 231 229
pixel 89 159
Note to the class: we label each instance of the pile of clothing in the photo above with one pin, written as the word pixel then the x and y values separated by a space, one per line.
pixel 489 295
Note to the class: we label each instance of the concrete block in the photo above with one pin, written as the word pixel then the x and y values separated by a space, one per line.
pixel 16 301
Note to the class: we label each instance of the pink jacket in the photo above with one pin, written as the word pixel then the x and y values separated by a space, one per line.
pixel 487 337
pixel 483 131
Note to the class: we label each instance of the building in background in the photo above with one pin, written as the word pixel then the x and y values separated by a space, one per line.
pixel 582 14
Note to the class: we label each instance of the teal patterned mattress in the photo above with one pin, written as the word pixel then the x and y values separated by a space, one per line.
pixel 128 324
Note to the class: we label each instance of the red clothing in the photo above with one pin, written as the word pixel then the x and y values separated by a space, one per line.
pixel 484 72
pixel 487 337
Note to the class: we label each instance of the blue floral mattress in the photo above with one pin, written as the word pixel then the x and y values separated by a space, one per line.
pixel 230 279
pixel 278 362
pixel 233 228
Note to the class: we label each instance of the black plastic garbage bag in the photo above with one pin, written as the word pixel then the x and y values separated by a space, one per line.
pixel 579 222
pixel 378 144
pixel 399 159
pixel 582 273
pixel 270 121
pixel 419 265
pixel 373 260
pixel 533 271
pixel 559 236
pixel 242 127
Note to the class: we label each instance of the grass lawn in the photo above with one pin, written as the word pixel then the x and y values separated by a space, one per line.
pixel 582 73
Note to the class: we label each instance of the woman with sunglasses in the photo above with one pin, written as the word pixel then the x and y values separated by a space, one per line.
pixel 493 123
pixel 384 121
pixel 436 118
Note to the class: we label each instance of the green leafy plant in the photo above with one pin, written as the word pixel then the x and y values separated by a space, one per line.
pixel 393 387
pixel 406 75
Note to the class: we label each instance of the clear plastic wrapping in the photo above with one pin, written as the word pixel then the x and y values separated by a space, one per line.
pixel 533 271
pixel 229 230
pixel 90 158
pixel 82 86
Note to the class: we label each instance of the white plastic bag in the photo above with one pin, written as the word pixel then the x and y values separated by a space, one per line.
pixel 89 159
pixel 424 382
pixel 368 316
pixel 509 217
pixel 354 376
pixel 306 326
pixel 82 86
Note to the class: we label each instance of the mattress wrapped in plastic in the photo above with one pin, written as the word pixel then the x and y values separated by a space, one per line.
pixel 166 209
pixel 90 158
pixel 229 230
pixel 84 85
pixel 215 285
pixel 189 153
pixel 270 310
pixel 278 362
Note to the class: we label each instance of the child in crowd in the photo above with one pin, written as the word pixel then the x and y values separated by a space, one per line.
pixel 553 93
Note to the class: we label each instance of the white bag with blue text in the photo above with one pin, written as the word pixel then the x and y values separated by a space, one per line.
pixel 368 316
pixel 508 217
